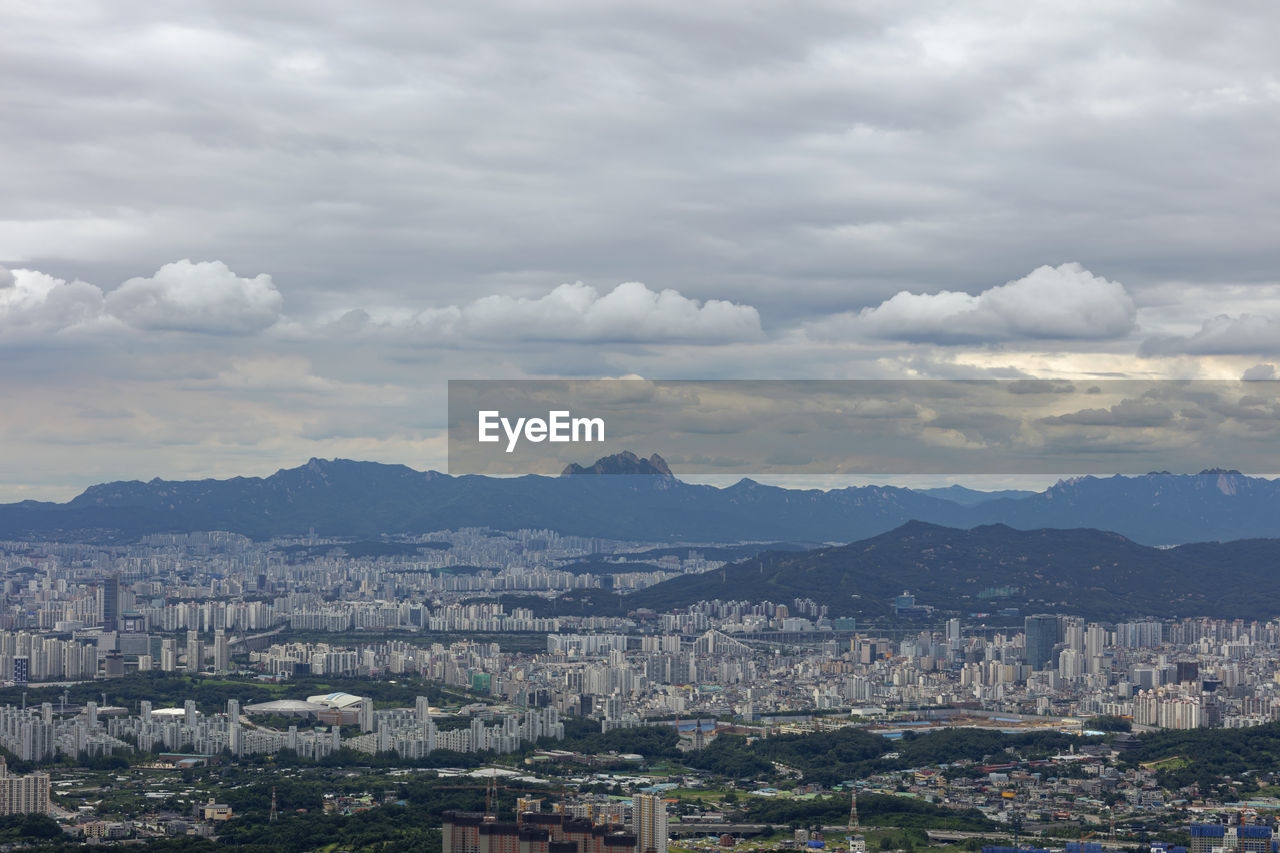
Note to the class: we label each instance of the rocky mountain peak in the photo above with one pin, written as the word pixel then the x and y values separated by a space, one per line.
pixel 625 462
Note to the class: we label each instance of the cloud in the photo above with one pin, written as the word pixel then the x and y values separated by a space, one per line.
pixel 34 302
pixel 1040 386
pixel 1259 372
pixel 1222 335
pixel 197 297
pixel 204 297
pixel 1063 302
pixel 209 298
pixel 631 312
pixel 844 148
pixel 1127 413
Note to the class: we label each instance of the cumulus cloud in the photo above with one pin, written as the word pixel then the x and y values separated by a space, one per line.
pixel 1063 302
pixel 197 297
pixel 631 312
pixel 202 297
pixel 209 298
pixel 33 301
pixel 1221 335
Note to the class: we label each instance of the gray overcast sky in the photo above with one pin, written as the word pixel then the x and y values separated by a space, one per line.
pixel 236 235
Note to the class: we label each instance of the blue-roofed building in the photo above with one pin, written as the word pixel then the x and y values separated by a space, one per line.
pixel 1245 838
pixel 1250 838
pixel 1084 847
pixel 1206 836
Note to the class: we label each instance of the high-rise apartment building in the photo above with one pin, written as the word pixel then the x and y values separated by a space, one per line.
pixel 23 794
pixel 195 653
pixel 649 823
pixel 221 651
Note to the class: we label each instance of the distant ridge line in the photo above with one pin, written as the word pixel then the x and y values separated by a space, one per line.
pixel 342 497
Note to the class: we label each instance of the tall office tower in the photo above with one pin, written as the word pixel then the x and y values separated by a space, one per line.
pixel 111 603
pixel 649 822
pixel 953 633
pixel 1187 670
pixel 221 651
pixel 1042 636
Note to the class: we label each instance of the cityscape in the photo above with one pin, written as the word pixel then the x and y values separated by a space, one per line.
pixel 455 665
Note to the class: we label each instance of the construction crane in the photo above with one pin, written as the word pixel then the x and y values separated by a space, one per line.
pixel 856 841
pixel 491 798
pixel 491 789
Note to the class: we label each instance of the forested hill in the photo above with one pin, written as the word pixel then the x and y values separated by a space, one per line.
pixel 1087 572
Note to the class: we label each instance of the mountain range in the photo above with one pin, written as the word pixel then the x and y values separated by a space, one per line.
pixel 362 499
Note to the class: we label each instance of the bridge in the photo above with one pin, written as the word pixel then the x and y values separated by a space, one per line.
pixel 256 642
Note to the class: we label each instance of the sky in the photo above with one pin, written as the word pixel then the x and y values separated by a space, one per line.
pixel 239 235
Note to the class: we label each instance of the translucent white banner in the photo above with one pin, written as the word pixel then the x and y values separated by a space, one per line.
pixel 860 427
